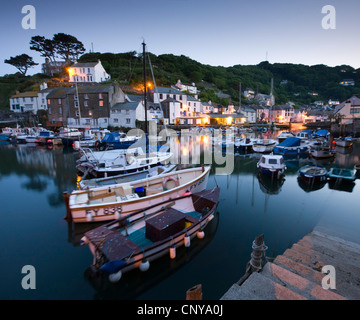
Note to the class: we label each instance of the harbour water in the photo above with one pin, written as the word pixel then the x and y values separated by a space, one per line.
pixel 34 231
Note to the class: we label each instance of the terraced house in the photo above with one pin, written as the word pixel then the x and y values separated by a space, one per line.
pixel 82 106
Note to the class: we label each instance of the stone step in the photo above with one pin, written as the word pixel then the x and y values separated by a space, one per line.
pixel 260 287
pixel 298 284
pixel 349 252
pixel 308 262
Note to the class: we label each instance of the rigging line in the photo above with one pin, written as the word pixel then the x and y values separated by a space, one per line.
pixel 133 68
pixel 156 90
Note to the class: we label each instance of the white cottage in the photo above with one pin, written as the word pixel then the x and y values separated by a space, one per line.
pixel 88 72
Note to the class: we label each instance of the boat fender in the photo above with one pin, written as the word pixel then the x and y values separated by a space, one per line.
pixel 210 218
pixel 200 234
pixel 115 277
pixel 89 217
pixel 76 145
pixel 84 240
pixel 172 252
pixel 117 214
pixel 187 241
pixel 144 265
pixel 170 179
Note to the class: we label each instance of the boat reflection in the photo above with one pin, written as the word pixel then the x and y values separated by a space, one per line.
pixel 136 283
pixel 346 186
pixel 309 187
pixel 269 184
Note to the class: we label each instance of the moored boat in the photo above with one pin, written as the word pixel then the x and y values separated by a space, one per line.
pixel 290 147
pixel 264 145
pixel 342 174
pixel 313 173
pixel 151 172
pixel 136 240
pixel 272 165
pixel 343 142
pixel 284 135
pixel 111 202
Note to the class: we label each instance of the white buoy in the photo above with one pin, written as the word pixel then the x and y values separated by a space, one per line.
pixel 173 252
pixel 144 265
pixel 115 277
pixel 187 241
pixel 84 240
pixel 89 217
pixel 200 234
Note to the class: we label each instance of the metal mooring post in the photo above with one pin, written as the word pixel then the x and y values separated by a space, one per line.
pixel 254 265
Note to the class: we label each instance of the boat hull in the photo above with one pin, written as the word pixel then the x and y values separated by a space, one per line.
pixel 126 205
pixel 157 249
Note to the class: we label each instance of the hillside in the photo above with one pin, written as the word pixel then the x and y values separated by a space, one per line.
pixel 127 69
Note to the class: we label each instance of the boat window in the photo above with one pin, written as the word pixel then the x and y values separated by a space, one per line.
pixel 272 161
pixel 263 160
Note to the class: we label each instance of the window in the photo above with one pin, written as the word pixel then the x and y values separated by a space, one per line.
pixel 49 110
pixel 101 103
pixel 88 70
pixel 127 121
pixel 100 96
pixel 48 101
pixel 86 96
pixel 60 110
pixel 116 120
pixel 76 113
pixel 85 103
pixel 59 101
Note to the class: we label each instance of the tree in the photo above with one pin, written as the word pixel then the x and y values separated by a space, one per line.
pixel 22 62
pixel 68 47
pixel 45 46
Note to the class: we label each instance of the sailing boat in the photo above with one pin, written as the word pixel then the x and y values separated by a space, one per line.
pixel 123 161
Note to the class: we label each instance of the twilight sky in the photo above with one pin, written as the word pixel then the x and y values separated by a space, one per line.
pixel 214 32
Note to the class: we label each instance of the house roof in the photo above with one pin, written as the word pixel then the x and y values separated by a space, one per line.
pixel 84 64
pixel 354 100
pixel 58 93
pixel 125 106
pixel 167 90
pixel 25 94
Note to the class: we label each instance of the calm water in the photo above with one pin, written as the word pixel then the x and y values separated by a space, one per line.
pixel 34 232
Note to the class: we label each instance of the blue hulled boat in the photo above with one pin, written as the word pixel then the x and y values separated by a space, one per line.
pixel 291 146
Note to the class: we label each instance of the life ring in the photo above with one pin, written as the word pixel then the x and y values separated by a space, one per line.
pixel 175 180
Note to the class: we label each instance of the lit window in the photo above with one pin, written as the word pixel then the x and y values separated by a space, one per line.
pixel 101 103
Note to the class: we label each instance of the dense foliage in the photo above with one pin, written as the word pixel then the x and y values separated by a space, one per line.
pixel 127 69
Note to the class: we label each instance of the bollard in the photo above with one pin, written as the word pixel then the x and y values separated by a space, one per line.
pixel 258 248
pixel 194 293
pixel 254 265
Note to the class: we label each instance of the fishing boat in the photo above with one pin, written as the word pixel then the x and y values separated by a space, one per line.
pixel 112 162
pixel 111 202
pixel 243 144
pixel 116 140
pixel 151 172
pixel 313 173
pixel 264 145
pixel 145 235
pixel 272 165
pixel 69 135
pixel 320 150
pixel 342 174
pixel 290 147
pixel 284 135
pixel 343 142
pixel 304 135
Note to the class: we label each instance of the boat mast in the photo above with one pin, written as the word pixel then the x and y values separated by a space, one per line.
pixel 145 98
